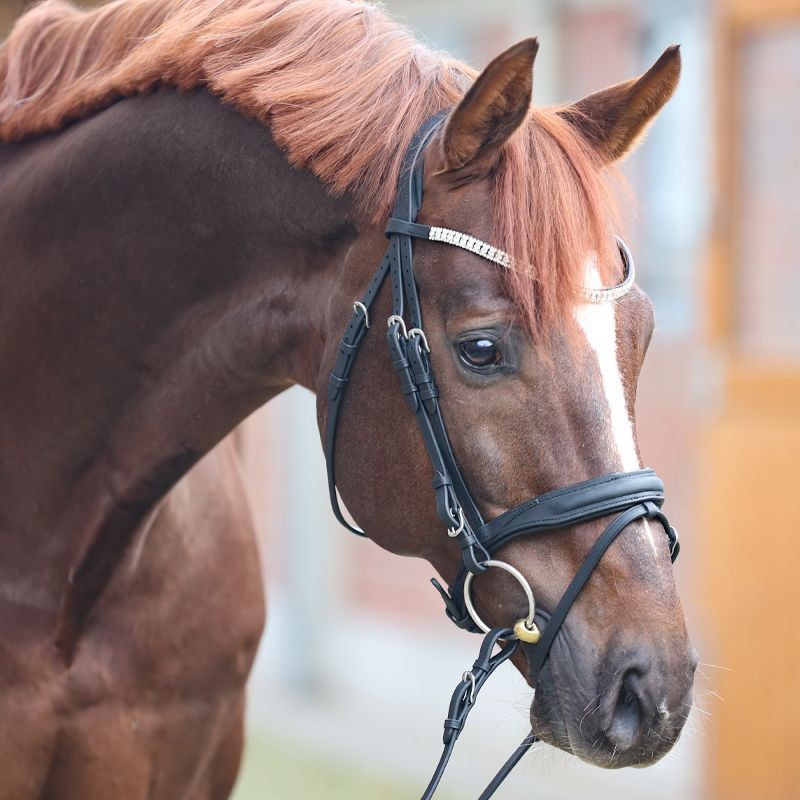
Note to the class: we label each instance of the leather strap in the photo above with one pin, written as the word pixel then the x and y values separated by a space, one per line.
pixel 580 502
pixel 512 762
pixel 408 349
pixel 357 326
pixel 340 377
pixel 542 648
pixel 407 228
pixel 465 695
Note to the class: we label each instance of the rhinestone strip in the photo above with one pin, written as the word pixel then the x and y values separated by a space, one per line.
pixel 484 250
pixel 467 242
pixel 621 289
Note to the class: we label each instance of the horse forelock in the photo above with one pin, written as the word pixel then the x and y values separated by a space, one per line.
pixel 342 88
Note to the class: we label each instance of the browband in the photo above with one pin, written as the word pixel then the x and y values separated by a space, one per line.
pixel 496 256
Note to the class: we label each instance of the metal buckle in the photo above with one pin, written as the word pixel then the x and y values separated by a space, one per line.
pixel 527 621
pixel 419 332
pixel 468 676
pixel 675 542
pixel 400 321
pixel 358 304
pixel 453 532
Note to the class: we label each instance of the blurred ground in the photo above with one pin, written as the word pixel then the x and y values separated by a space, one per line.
pixel 291 774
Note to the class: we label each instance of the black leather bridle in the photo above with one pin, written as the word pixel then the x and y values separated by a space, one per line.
pixel 630 495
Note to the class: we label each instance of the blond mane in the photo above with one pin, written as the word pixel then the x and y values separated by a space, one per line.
pixel 342 88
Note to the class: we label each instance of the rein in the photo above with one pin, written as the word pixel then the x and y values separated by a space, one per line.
pixel 630 495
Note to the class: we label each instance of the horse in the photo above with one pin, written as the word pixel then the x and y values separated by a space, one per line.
pixel 193 194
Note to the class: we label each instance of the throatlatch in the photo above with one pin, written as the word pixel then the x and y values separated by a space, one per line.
pixel 630 495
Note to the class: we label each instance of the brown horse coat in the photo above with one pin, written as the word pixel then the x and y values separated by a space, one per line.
pixel 165 271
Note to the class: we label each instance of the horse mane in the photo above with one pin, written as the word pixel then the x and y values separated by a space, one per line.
pixel 342 88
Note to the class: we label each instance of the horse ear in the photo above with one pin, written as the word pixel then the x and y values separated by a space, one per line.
pixel 493 108
pixel 614 119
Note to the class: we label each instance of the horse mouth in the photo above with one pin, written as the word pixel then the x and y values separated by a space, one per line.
pixel 609 734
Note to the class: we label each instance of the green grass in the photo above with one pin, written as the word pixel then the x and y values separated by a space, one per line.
pixel 276 771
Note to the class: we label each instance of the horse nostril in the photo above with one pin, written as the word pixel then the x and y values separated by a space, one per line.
pixel 694 659
pixel 628 715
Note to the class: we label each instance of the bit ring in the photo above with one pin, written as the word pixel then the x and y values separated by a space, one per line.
pixel 514 572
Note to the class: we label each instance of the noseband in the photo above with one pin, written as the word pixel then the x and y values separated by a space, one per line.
pixel 630 495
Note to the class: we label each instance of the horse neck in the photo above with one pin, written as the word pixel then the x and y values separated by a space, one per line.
pixel 171 273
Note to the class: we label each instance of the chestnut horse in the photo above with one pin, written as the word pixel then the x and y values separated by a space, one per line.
pixel 193 192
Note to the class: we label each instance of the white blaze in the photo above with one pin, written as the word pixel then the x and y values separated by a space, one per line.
pixel 599 325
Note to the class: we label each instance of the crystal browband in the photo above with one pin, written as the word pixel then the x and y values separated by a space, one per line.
pixel 467 242
pixel 500 257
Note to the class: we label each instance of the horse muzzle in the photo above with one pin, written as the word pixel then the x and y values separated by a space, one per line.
pixel 625 708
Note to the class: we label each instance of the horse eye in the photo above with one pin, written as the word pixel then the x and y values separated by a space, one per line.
pixel 480 353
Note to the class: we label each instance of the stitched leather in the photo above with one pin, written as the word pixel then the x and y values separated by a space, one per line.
pixel 580 502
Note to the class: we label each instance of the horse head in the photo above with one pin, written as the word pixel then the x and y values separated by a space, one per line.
pixel 537 385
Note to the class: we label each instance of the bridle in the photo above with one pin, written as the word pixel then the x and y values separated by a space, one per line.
pixel 630 495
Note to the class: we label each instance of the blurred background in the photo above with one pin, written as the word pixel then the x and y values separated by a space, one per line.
pixel 354 710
